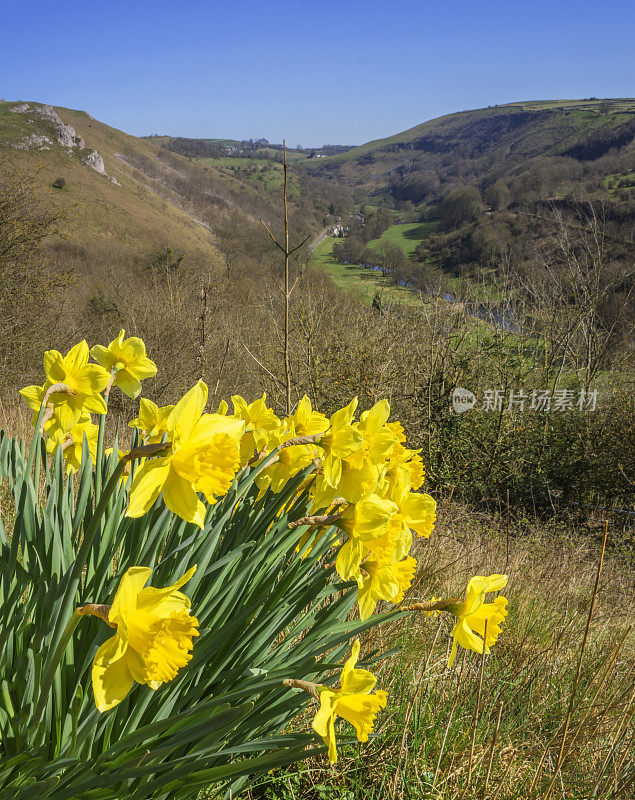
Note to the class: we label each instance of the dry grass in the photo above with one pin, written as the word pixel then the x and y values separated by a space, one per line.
pixel 423 747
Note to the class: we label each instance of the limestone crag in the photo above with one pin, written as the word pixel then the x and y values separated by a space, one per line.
pixel 95 161
pixel 64 135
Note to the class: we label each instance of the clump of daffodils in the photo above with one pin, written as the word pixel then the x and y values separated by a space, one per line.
pixel 364 486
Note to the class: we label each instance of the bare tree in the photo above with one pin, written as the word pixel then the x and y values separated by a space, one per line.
pixel 288 289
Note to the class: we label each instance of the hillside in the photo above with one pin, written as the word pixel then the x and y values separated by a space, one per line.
pixel 574 139
pixel 145 198
pixel 101 230
pixel 124 213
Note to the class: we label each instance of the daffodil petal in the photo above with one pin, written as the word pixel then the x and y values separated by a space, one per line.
pixel 180 497
pixel 111 676
pixel 132 582
pixel 187 411
pixel 147 485
pixel 128 384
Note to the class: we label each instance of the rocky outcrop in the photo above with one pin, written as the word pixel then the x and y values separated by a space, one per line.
pixel 95 161
pixel 63 134
pixel 33 142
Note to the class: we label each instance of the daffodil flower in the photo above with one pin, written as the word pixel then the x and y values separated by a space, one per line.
pixel 153 639
pixel 152 420
pixel 340 440
pixel 289 462
pixel 353 702
pixel 417 511
pixel 84 380
pixel 128 358
pixel 378 440
pixel 364 522
pixel 72 442
pixel 356 483
pixel 472 613
pixel 305 421
pixel 260 423
pixel 405 464
pixel 382 581
pixel 203 457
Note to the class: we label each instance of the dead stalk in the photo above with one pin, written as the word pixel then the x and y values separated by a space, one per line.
pixel 220 370
pixel 491 752
pixel 476 707
pixel 576 680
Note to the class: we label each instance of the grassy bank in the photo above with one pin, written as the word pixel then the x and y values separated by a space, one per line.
pixel 438 738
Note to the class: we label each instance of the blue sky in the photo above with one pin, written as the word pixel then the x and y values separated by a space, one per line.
pixel 316 73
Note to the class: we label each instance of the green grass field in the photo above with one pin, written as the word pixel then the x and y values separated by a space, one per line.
pixel 366 283
pixel 363 282
pixel 407 235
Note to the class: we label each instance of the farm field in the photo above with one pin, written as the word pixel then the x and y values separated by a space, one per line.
pixel 407 235
pixel 364 282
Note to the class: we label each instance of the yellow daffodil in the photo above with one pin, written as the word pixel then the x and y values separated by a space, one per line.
pixel 260 423
pixel 356 483
pixel 378 440
pixel 72 443
pixel 85 380
pixel 128 358
pixel 153 639
pixel 289 462
pixel 152 420
pixel 364 522
pixel 203 457
pixel 397 429
pixel 353 702
pixel 405 464
pixel 305 421
pixel 417 511
pixel 387 582
pixel 472 613
pixel 340 440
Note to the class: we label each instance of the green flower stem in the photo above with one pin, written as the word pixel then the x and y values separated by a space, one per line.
pixel 37 434
pixel 98 455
